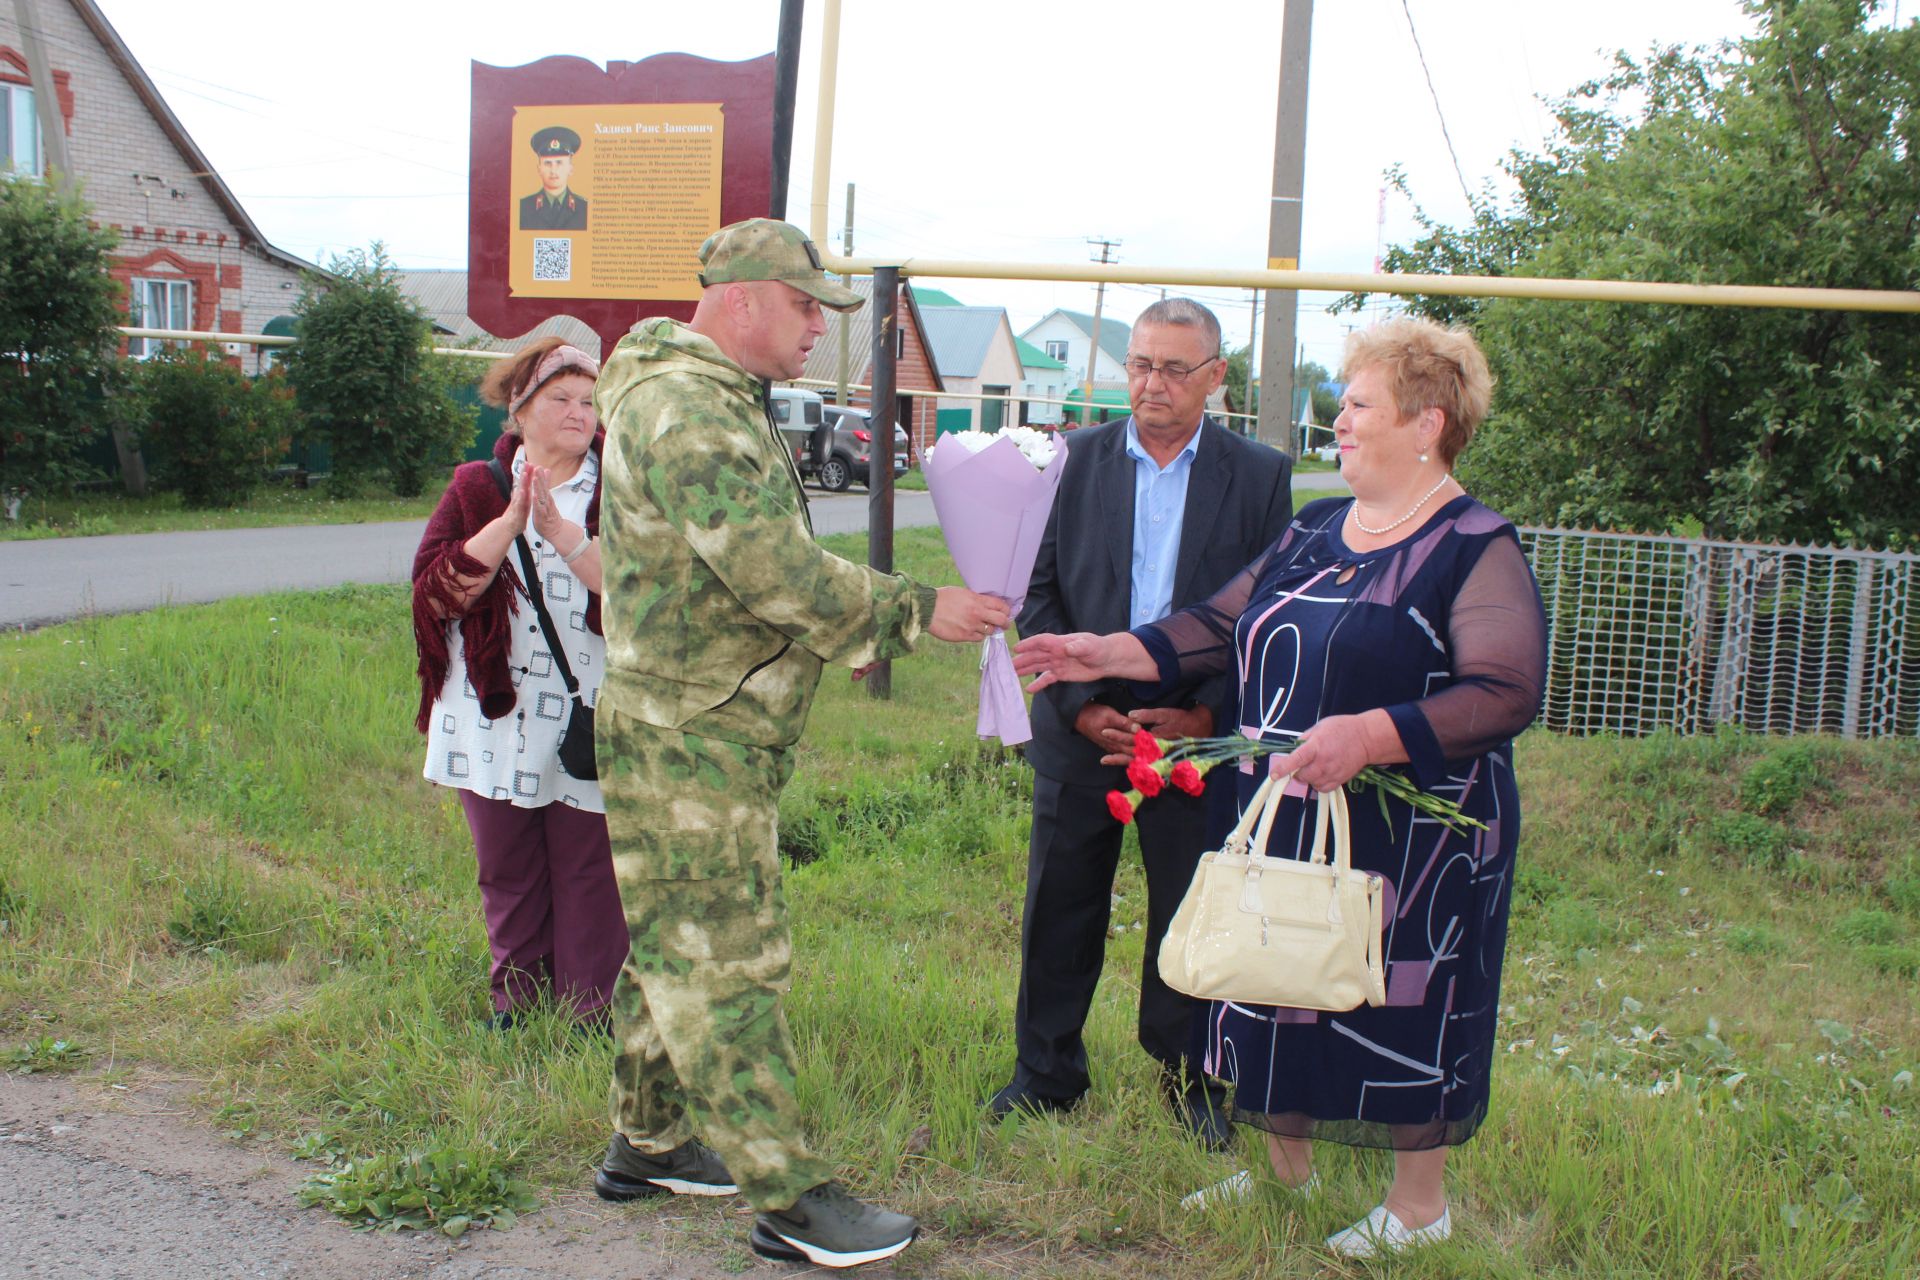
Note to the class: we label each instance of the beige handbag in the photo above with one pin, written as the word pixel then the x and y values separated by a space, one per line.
pixel 1279 931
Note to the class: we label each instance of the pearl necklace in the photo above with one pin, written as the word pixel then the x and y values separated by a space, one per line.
pixel 1364 527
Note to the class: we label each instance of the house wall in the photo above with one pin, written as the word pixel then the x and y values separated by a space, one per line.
pixel 137 183
pixel 913 371
pixel 1044 384
pixel 1056 328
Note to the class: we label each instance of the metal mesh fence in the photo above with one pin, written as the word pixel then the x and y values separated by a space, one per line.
pixel 1648 633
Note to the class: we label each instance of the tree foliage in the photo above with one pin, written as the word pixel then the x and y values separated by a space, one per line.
pixel 1308 373
pixel 214 430
pixel 1787 158
pixel 367 381
pixel 58 312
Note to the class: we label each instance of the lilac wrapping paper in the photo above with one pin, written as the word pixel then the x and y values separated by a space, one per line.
pixel 993 508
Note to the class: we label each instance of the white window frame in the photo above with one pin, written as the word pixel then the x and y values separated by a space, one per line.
pixel 178 293
pixel 19 121
pixel 1061 353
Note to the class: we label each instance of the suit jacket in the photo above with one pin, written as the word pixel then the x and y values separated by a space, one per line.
pixel 1239 499
pixel 537 213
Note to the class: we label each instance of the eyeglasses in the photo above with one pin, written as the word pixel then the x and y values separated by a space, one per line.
pixel 1143 369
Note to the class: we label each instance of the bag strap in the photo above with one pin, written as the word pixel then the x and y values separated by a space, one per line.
pixel 1332 811
pixel 535 593
pixel 1265 797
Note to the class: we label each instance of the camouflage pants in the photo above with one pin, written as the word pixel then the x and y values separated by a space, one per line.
pixel 702 1045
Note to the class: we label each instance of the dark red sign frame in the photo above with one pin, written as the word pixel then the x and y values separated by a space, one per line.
pixel 745 92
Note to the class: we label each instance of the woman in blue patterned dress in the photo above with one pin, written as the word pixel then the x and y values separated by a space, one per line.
pixel 1400 627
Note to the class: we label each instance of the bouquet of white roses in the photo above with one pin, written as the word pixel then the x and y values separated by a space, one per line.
pixel 993 492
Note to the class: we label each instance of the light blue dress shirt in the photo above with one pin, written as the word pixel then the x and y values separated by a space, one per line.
pixel 1159 508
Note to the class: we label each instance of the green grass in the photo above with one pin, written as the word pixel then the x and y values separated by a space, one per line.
pixel 90 514
pixel 218 860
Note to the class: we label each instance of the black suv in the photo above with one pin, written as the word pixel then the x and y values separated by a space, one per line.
pixel 846 434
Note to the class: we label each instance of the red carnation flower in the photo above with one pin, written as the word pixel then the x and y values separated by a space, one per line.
pixel 1120 806
pixel 1187 778
pixel 1145 778
pixel 1146 747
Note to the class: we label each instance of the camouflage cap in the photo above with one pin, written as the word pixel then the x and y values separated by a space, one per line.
pixel 768 249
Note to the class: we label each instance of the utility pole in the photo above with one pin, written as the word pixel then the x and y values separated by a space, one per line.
pixel 1283 222
pixel 1093 349
pixel 846 251
pixel 53 133
pixel 1253 354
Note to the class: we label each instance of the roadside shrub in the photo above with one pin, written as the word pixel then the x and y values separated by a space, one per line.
pixel 1867 927
pixel 1778 780
pixel 216 431
pixel 366 380
pixel 447 1189
pixel 58 309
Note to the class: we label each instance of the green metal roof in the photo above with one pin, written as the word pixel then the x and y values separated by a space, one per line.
pixel 1103 398
pixel 935 297
pixel 1032 357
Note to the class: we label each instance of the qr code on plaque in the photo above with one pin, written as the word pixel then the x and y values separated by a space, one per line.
pixel 552 259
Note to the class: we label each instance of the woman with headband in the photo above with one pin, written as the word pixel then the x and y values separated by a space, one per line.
pixel 494 701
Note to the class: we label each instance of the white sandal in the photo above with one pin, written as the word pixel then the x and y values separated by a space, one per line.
pixel 1381 1233
pixel 1240 1186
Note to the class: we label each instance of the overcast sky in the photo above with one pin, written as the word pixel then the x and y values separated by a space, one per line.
pixel 997 129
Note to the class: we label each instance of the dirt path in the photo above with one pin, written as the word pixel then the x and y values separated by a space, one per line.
pixel 124 1182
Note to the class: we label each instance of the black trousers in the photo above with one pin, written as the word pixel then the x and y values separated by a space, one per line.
pixel 1071 858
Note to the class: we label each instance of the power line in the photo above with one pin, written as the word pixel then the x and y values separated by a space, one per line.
pixel 1435 93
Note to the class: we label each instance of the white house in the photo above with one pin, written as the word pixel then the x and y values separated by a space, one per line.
pixel 1045 379
pixel 1067 336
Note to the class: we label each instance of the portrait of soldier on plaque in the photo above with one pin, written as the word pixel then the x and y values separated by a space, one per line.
pixel 556 206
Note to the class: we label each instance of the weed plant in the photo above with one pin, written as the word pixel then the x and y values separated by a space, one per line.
pixel 218 858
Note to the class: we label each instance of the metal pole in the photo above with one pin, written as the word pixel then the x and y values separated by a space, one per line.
pixel 1253 353
pixel 846 240
pixel 823 124
pixel 1093 346
pixel 880 415
pixel 1283 221
pixel 786 87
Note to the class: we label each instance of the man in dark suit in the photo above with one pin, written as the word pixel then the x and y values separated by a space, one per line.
pixel 1154 513
pixel 554 207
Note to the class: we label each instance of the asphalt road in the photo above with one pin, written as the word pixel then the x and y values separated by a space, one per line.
pixel 55 579
pixel 59 578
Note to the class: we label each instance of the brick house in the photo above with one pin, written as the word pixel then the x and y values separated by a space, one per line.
pixel 189 256
pixel 914 369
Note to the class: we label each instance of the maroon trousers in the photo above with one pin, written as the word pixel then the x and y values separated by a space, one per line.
pixel 553 912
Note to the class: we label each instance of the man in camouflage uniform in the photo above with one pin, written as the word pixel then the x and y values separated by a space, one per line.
pixel 720 612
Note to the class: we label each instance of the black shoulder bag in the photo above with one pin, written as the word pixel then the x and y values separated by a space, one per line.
pixel 576 741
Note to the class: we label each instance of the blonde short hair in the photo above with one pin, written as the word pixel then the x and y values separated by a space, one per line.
pixel 1428 366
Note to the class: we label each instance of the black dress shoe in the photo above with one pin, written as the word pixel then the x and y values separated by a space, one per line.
pixel 1206 1119
pixel 1016 1097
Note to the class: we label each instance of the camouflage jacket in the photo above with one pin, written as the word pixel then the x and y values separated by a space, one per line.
pixel 720 608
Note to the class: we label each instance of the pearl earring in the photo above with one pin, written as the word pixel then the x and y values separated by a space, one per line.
pixel 1423 457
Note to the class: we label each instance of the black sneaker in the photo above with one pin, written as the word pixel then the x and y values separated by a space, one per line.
pixel 690 1169
pixel 829 1228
